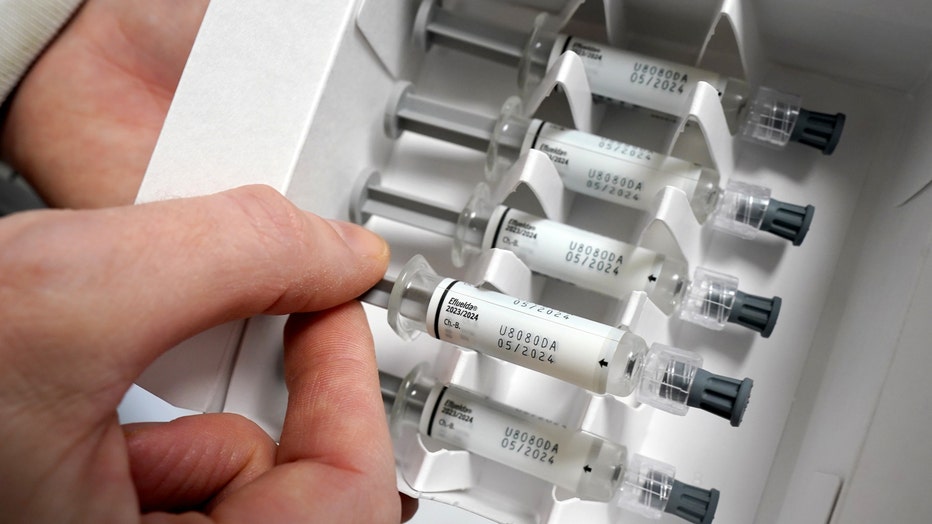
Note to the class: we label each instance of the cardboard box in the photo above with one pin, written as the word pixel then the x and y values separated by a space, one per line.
pixel 291 94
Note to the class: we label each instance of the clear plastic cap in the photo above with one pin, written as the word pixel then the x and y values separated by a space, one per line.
pixel 771 118
pixel 746 209
pixel 674 381
pixel 742 209
pixel 774 119
pixel 646 487
pixel 713 299
pixel 709 299
pixel 667 377
pixel 650 489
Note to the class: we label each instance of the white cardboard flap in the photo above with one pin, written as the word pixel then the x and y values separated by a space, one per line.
pixel 239 116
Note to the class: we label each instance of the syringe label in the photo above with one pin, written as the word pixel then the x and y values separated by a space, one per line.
pixel 537 337
pixel 610 170
pixel 643 81
pixel 669 79
pixel 511 437
pixel 582 258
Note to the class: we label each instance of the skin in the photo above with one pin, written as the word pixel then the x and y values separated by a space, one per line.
pixel 90 297
pixel 85 120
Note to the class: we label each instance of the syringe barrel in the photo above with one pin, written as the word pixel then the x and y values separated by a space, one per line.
pixel 622 76
pixel 570 254
pixel 588 466
pixel 614 74
pixel 619 76
pixel 591 355
pixel 563 252
pixel 621 173
pixel 589 164
pixel 583 352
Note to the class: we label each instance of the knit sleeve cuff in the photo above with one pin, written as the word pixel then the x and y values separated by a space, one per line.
pixel 26 28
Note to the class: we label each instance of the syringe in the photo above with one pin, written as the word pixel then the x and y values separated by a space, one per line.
pixel 599 167
pixel 582 258
pixel 590 467
pixel 771 118
pixel 591 355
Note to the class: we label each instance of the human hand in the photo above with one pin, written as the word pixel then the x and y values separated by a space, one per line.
pixel 90 298
pixel 85 120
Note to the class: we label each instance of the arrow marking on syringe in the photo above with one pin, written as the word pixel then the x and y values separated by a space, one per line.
pixel 587 469
pixel 652 278
pixel 603 363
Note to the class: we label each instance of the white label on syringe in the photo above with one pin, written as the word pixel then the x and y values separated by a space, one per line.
pixel 613 171
pixel 563 346
pixel 534 446
pixel 574 255
pixel 636 79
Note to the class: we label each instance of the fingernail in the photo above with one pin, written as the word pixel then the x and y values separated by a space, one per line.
pixel 363 242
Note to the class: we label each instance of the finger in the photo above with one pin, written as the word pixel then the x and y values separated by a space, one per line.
pixel 143 278
pixel 334 456
pixel 84 121
pixel 194 462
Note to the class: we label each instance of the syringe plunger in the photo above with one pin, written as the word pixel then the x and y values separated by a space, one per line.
pixel 406 110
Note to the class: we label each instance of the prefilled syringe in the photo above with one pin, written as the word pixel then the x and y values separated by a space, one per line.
pixel 582 258
pixel 599 167
pixel 590 467
pixel 594 356
pixel 770 118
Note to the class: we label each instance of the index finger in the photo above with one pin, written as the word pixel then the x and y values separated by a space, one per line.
pixel 107 291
